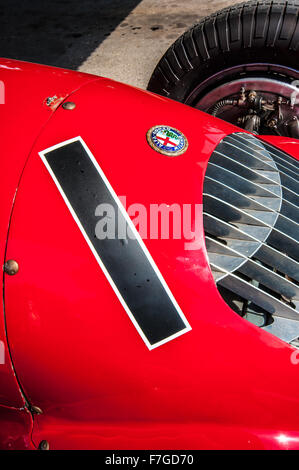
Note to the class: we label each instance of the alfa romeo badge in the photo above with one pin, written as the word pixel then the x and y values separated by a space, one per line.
pixel 167 140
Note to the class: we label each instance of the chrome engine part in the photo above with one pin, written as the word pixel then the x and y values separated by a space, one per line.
pixel 259 105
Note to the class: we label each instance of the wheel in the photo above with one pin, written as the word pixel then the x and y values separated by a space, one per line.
pixel 239 64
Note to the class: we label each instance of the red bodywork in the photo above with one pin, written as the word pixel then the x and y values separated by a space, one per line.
pixel 73 351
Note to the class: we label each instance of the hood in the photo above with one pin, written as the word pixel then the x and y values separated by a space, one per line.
pixel 91 353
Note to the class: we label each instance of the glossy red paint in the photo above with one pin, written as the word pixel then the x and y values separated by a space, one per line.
pixel 225 384
pixel 15 429
pixel 22 117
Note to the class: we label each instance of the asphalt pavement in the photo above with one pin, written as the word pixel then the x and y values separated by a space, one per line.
pixel 119 39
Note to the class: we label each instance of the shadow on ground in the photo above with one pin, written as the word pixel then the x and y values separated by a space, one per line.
pixel 61 33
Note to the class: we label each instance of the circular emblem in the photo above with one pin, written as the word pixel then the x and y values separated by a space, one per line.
pixel 167 140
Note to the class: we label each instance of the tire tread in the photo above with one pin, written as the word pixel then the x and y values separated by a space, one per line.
pixel 249 25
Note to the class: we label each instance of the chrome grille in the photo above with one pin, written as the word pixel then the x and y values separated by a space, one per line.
pixel 251 229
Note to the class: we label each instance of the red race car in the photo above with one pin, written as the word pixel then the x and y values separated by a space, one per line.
pixel 150 249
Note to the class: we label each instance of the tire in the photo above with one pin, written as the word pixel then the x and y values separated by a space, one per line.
pixel 226 44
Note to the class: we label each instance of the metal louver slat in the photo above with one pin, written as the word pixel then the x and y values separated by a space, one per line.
pixel 259 162
pixel 267 178
pixel 259 297
pixel 230 260
pixel 284 328
pixel 250 224
pixel 272 151
pixel 251 215
pixel 279 261
pixel 248 156
pixel 239 183
pixel 233 236
pixel 278 158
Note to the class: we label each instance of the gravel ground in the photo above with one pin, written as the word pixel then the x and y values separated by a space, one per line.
pixel 120 39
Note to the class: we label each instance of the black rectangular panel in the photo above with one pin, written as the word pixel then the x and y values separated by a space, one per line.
pixel 138 282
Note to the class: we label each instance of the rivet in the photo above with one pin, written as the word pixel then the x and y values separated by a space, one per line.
pixel 36 410
pixel 44 445
pixel 69 105
pixel 11 267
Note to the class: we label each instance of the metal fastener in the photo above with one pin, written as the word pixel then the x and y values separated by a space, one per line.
pixel 44 445
pixel 36 410
pixel 11 267
pixel 50 100
pixel 69 105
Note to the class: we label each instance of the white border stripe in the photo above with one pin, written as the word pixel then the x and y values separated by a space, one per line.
pixel 135 232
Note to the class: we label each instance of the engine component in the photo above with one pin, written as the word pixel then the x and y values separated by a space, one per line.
pixel 260 112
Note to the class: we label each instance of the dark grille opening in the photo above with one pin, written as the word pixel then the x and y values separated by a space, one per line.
pixel 251 214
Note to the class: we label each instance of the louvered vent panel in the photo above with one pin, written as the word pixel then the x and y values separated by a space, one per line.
pixel 251 215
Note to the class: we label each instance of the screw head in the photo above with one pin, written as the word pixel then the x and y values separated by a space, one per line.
pixel 36 410
pixel 44 445
pixel 11 267
pixel 69 105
